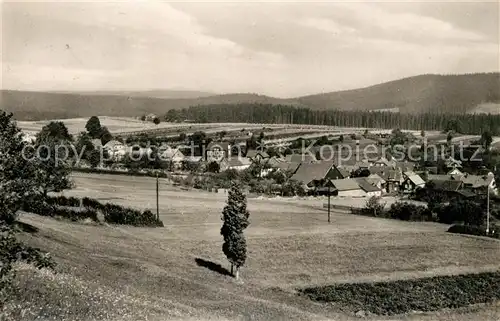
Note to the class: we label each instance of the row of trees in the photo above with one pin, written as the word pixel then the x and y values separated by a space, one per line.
pixel 267 113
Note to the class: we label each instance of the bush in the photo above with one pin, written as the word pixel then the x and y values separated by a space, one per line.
pixel 374 207
pixel 397 297
pixel 474 230
pixel 116 214
pixel 467 212
pixel 92 203
pixel 409 212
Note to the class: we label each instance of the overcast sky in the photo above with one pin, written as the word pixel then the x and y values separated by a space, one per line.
pixel 283 48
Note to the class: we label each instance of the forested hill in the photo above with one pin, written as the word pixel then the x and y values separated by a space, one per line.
pixel 260 113
pixel 420 94
pixel 425 93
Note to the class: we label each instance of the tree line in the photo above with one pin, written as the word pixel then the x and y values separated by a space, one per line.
pixel 473 124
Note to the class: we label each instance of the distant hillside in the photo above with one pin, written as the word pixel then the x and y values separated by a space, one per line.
pixel 160 93
pixel 425 93
pixel 30 105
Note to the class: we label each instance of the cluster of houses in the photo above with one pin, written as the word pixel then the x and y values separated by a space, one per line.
pixel 380 176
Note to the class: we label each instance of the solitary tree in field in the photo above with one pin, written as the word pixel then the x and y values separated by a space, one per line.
pixel 93 127
pixel 156 120
pixel 235 217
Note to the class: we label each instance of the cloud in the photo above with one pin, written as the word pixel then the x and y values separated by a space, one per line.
pixel 279 48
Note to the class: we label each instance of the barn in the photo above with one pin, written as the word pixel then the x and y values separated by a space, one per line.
pixel 347 187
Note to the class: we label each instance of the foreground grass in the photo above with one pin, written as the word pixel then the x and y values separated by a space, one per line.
pixel 427 294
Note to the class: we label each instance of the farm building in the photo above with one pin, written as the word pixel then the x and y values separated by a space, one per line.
pixel 116 149
pixel 369 189
pixel 313 175
pixel 347 188
pixel 217 151
pixel 376 180
pixel 236 163
pixel 411 182
pixel 257 156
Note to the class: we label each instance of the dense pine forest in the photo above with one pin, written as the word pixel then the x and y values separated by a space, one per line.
pixel 282 114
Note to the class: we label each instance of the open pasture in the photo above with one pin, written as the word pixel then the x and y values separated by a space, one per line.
pixel 180 267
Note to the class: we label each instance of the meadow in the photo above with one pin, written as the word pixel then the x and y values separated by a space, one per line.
pixel 179 272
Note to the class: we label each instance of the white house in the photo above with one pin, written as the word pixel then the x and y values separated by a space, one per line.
pixel 117 150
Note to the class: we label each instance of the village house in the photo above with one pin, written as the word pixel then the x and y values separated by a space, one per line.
pixel 217 151
pixel 411 182
pixel 236 163
pixel 257 156
pixel 347 188
pixel 376 180
pixel 116 149
pixel 173 155
pixel 367 187
pixel 313 175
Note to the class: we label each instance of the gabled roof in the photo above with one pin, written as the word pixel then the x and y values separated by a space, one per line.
pixel 434 177
pixel 344 172
pixel 375 179
pixel 365 185
pixel 447 185
pixel 171 153
pixel 476 181
pixel 347 184
pixel 405 166
pixel 417 180
pixel 307 172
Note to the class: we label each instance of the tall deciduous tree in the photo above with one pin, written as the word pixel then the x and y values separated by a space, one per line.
pixel 16 185
pixel 93 127
pixel 235 217
pixel 53 158
pixel 486 139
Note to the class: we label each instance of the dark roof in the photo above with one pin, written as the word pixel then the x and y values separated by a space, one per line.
pixel 448 185
pixel 307 172
pixel 365 185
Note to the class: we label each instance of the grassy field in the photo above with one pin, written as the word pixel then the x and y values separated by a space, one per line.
pixel 177 272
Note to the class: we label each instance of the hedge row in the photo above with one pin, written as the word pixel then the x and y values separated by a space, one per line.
pixel 114 172
pixel 114 214
pixel 397 297
pixel 117 214
pixel 45 208
pixel 63 201
pixel 475 230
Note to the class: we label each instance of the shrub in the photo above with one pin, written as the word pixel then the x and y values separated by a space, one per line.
pixel 374 206
pixel 397 297
pixel 92 203
pixel 409 212
pixel 474 230
pixel 117 214
pixel 466 211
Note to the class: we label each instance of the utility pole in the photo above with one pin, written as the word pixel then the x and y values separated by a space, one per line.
pixel 328 203
pixel 157 198
pixel 488 210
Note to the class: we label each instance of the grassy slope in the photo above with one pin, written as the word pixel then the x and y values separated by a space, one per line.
pixel 289 246
pixel 453 93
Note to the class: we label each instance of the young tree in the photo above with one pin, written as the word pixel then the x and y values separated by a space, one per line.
pixel 235 217
pixel 156 121
pixel 93 127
